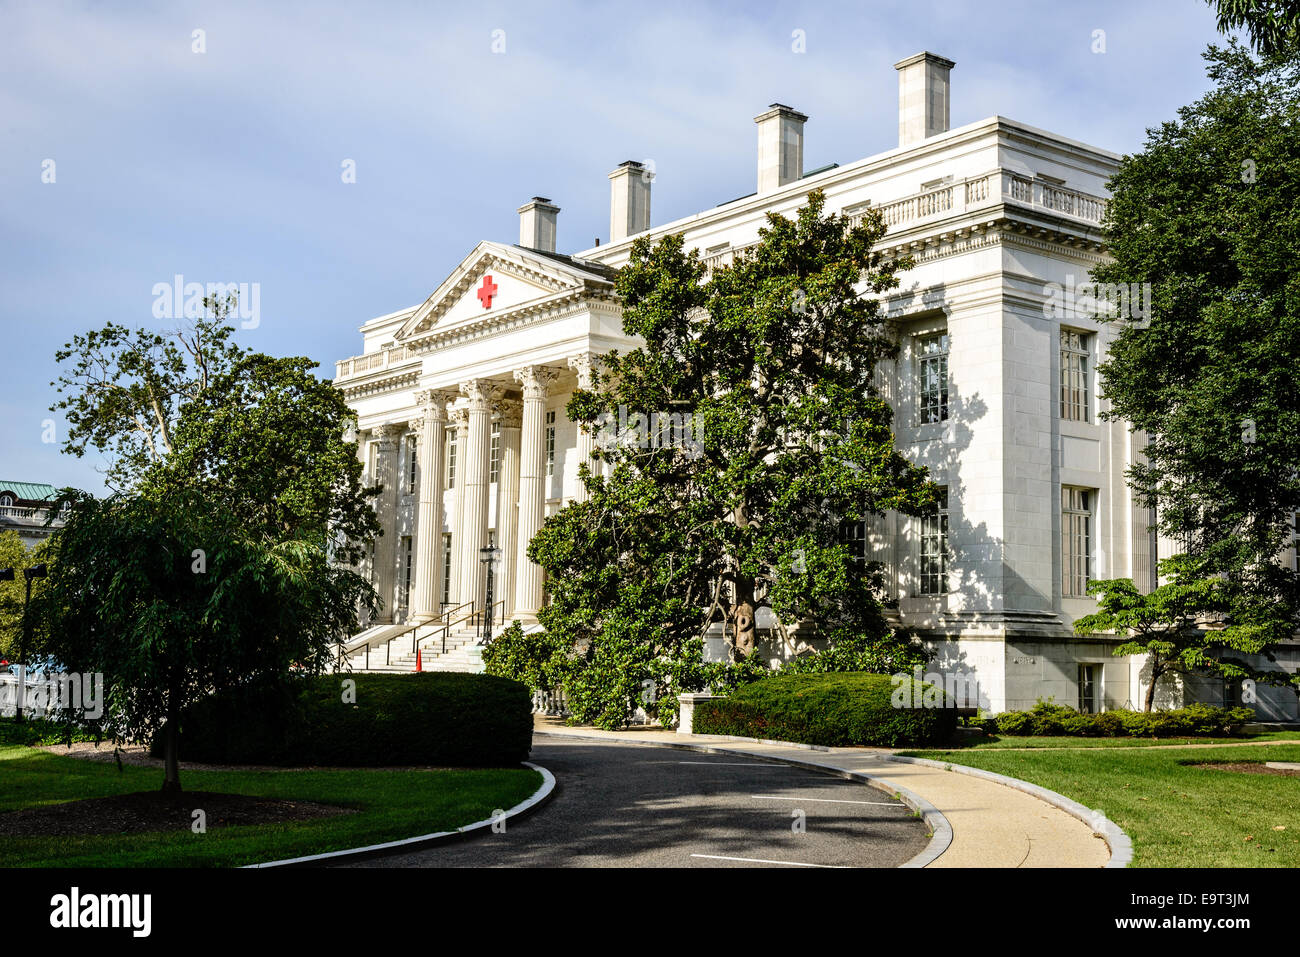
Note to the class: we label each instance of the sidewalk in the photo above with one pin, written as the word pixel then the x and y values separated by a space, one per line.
pixel 993 825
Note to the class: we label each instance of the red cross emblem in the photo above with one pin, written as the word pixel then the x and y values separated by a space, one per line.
pixel 487 291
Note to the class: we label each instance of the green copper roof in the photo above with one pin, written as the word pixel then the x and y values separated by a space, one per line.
pixel 28 491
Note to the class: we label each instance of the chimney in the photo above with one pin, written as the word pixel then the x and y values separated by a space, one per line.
pixel 780 146
pixel 629 200
pixel 922 97
pixel 537 224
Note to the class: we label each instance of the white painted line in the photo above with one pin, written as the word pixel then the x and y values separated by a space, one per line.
pixel 759 860
pixel 734 764
pixel 804 800
pixel 541 794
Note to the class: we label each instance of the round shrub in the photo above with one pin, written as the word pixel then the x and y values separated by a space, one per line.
pixel 840 709
pixel 443 719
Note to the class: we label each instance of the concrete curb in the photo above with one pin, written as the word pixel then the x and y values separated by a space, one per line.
pixel 527 806
pixel 1121 847
pixel 940 829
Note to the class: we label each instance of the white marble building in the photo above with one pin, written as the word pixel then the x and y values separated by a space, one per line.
pixel 461 398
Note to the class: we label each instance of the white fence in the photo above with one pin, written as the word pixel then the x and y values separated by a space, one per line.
pixel 47 696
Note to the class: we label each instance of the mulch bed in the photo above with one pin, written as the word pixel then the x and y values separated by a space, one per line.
pixel 144 811
pixel 1250 767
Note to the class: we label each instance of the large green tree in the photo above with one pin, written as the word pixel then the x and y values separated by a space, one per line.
pixel 121 390
pixel 1209 215
pixel 1273 25
pixel 769 439
pixel 15 555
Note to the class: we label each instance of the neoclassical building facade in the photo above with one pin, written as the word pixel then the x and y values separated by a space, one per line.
pixel 461 400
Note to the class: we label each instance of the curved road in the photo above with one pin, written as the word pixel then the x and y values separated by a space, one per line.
pixel 626 805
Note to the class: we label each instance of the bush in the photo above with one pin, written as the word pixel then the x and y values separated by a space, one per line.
pixel 1196 720
pixel 836 709
pixel 444 719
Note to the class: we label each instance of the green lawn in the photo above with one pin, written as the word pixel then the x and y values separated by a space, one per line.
pixel 1177 815
pixel 1000 742
pixel 393 805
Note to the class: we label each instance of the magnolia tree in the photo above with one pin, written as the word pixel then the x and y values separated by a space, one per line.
pixel 739 445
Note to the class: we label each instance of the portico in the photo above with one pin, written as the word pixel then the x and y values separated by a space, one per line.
pixel 461 419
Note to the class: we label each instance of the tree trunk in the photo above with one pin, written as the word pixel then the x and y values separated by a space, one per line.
pixel 172 743
pixel 1151 690
pixel 744 629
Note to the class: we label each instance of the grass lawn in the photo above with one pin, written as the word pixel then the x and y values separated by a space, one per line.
pixel 1003 741
pixel 1178 815
pixel 392 805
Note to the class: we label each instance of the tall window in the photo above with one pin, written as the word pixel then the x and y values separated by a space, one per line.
pixel 932 377
pixel 934 548
pixel 1295 540
pixel 550 442
pixel 494 453
pixel 406 571
pixel 854 535
pixel 1089 684
pixel 410 464
pixel 1074 376
pixel 1076 541
pixel 6 501
pixel 446 569
pixel 451 458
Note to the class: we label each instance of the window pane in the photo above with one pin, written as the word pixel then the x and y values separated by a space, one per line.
pixel 932 378
pixel 934 548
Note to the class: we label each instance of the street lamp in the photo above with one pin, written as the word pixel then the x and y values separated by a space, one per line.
pixel 7 574
pixel 488 556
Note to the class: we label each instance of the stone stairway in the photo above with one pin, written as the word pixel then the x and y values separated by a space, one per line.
pixel 462 654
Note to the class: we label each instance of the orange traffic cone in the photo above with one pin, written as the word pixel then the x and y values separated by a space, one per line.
pixel 419 665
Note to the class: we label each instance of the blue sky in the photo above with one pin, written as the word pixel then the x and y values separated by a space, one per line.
pixel 224 166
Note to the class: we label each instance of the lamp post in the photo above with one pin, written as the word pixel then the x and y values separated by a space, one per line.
pixel 36 571
pixel 488 556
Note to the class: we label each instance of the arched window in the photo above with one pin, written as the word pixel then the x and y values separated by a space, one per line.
pixel 6 500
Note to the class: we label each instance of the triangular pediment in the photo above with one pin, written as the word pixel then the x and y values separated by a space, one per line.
pixel 495 279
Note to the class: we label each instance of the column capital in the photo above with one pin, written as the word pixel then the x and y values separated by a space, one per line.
pixel 536 381
pixel 511 412
pixel 458 416
pixel 482 393
pixel 433 403
pixel 388 434
pixel 584 364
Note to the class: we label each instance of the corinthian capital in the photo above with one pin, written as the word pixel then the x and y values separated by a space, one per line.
pixel 433 403
pixel 536 381
pixel 481 394
pixel 511 412
pixel 584 364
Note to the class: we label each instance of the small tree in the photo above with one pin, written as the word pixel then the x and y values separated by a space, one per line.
pixel 173 597
pixel 1191 624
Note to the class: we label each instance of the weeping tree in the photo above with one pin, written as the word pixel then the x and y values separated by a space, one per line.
pixel 172 597
pixel 739 444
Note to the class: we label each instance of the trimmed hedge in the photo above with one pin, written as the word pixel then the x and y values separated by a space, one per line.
pixel 445 719
pixel 836 709
pixel 1196 720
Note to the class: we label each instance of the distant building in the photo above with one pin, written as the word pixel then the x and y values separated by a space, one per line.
pixel 24 507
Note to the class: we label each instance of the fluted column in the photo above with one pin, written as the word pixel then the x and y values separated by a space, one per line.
pixel 427 600
pixel 459 417
pixel 583 365
pixel 511 413
pixel 474 514
pixel 536 382
pixel 386 546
